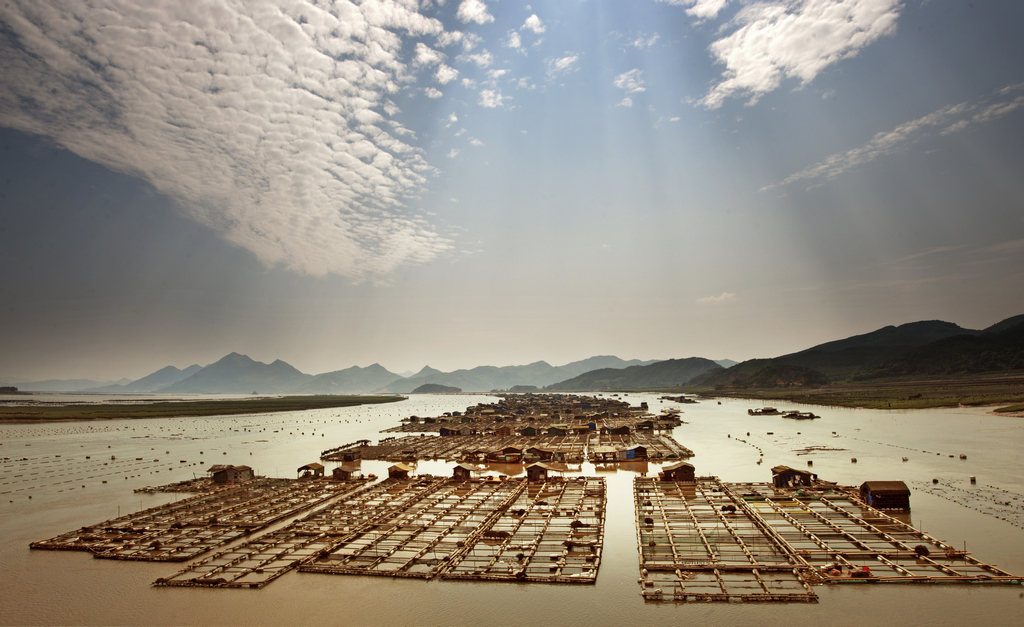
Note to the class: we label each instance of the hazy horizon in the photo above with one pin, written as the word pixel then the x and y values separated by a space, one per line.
pixel 471 182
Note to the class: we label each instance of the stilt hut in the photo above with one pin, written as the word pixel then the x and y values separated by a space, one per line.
pixel 463 472
pixel 892 495
pixel 786 477
pixel 683 472
pixel 538 472
pixel 344 472
pixel 399 471
pixel 310 471
pixel 226 473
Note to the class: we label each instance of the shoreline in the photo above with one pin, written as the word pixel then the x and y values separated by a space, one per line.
pixel 82 412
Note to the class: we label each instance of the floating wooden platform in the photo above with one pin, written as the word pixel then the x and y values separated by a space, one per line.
pixel 712 541
pixel 429 527
pixel 184 529
pixel 570 448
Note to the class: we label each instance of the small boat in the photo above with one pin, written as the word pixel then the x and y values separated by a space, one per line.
pixel 764 411
pixel 800 415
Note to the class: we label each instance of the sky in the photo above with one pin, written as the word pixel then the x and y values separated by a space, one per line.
pixel 486 182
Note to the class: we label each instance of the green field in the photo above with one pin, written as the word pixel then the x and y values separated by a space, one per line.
pixel 46 412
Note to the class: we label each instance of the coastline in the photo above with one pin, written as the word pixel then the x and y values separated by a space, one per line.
pixel 77 412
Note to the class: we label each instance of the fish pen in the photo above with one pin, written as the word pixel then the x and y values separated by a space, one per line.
pixel 695 545
pixel 423 538
pixel 552 532
pixel 184 529
pixel 715 541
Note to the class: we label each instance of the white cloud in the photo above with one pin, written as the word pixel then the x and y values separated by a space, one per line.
pixel 701 9
pixel 795 39
pixel 513 40
pixel 533 23
pixel 445 74
pixel 644 42
pixel 468 83
pixel 724 297
pixel 425 55
pixel 947 120
pixel 632 81
pixel 266 125
pixel 482 59
pixel 452 119
pixel 454 152
pixel 625 102
pixel 674 119
pixel 493 75
pixel 473 11
pixel 491 98
pixel 476 142
pixel 454 37
pixel 562 65
pixel 432 93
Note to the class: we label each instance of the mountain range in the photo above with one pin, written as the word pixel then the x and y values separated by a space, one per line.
pixel 926 349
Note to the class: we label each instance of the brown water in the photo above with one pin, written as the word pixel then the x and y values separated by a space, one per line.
pixel 60 587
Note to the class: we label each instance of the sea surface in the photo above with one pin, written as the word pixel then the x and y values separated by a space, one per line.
pixel 98 468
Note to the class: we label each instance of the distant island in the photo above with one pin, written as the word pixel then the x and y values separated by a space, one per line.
pixel 436 388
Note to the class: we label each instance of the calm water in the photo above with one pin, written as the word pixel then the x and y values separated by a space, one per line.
pixel 60 587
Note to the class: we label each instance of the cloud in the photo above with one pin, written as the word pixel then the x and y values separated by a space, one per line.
pixel 702 9
pixel 476 142
pixel 473 11
pixel 445 74
pixel 454 152
pixel 642 42
pixel 562 65
pixel 513 40
pixel 432 93
pixel 452 119
pixel 794 39
pixel 468 83
pixel 425 55
pixel 632 81
pixel 534 24
pixel 724 297
pixel 491 98
pixel 264 124
pixel 625 102
pixel 451 38
pixel 482 59
pixel 947 120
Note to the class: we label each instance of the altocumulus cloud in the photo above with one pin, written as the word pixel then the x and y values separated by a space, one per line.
pixel 262 119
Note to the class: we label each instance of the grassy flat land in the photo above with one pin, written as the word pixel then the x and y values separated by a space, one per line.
pixel 45 412
pixel 895 395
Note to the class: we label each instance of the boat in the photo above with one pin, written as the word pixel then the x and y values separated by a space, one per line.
pixel 800 415
pixel 764 411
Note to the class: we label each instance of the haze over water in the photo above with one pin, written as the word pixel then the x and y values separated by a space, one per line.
pixel 61 587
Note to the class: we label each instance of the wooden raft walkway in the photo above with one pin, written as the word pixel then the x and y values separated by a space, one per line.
pixel 182 530
pixel 712 541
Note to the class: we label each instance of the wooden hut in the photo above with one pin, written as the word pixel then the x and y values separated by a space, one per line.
pixel 786 477
pixel 682 472
pixel 603 454
pixel 893 495
pixel 399 471
pixel 310 471
pixel 344 473
pixel 632 453
pixel 463 472
pixel 226 473
pixel 538 472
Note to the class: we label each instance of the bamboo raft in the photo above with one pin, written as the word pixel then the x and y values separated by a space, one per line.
pixel 182 530
pixel 428 527
pixel 711 541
